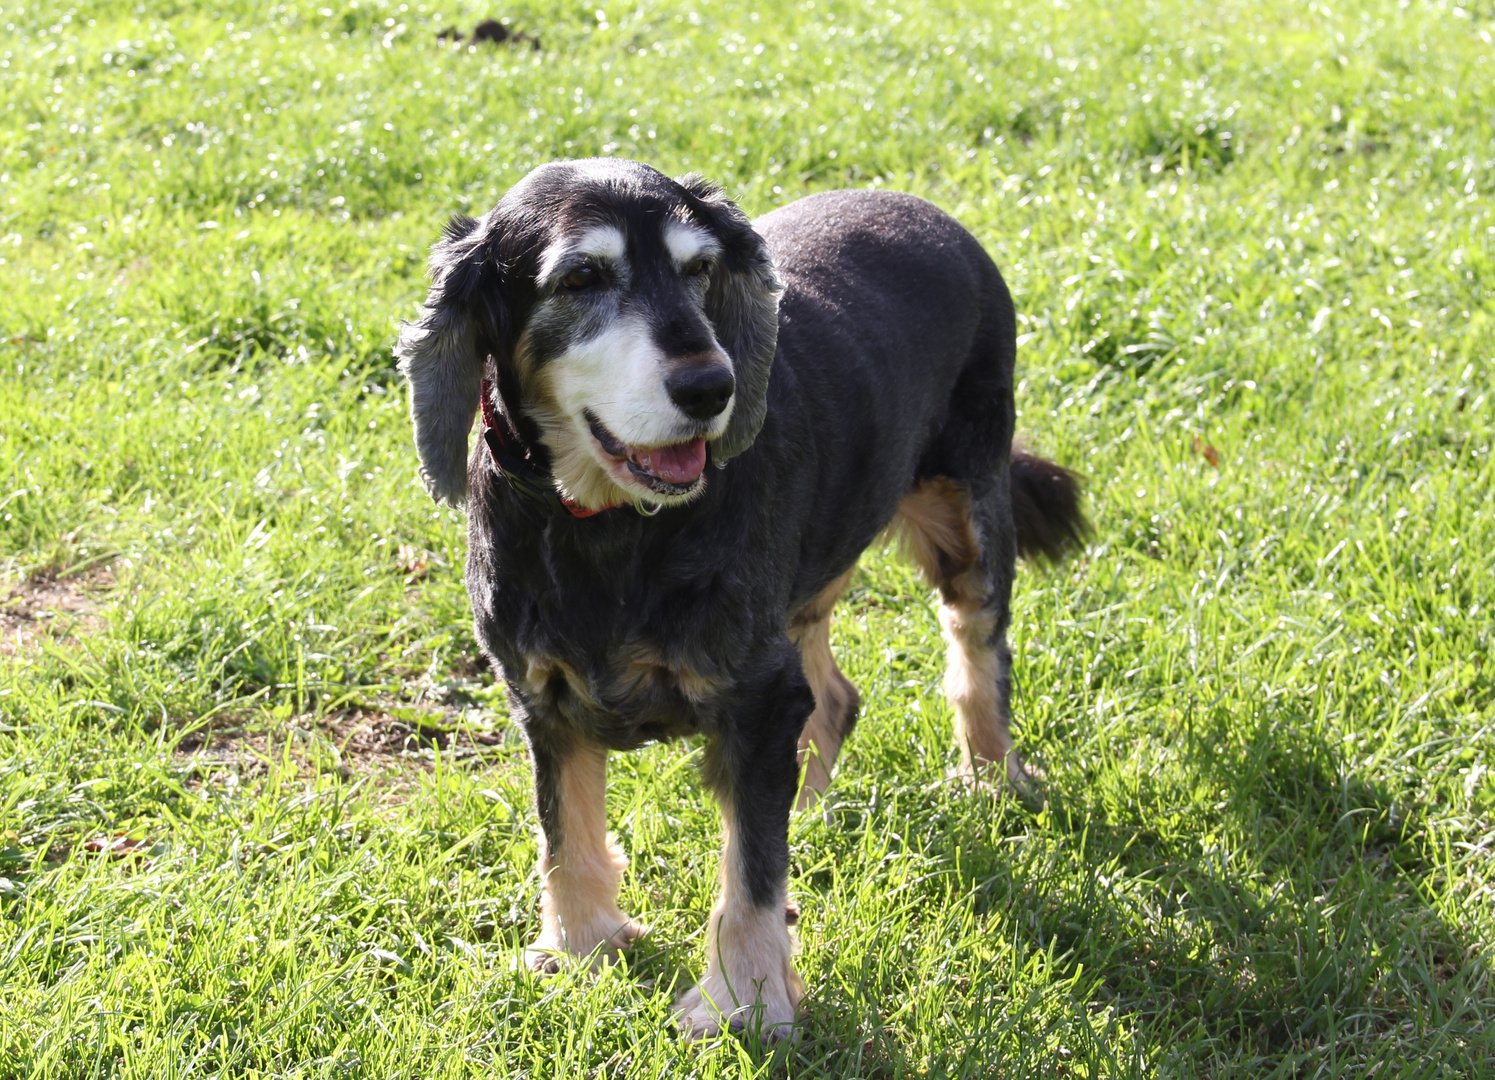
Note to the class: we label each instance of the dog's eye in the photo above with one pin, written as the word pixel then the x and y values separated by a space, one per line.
pixel 696 267
pixel 583 277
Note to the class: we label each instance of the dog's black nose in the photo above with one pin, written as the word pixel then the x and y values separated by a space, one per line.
pixel 701 392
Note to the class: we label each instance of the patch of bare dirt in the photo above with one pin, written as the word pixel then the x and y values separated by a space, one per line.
pixel 374 739
pixel 46 606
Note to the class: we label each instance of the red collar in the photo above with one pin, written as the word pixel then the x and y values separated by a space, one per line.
pixel 516 464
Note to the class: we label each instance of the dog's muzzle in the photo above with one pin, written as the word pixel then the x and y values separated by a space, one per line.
pixel 666 470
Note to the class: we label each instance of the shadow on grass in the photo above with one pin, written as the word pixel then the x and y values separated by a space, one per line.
pixel 1290 926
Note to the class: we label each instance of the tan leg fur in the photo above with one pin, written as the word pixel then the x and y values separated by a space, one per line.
pixel 579 913
pixel 933 524
pixel 836 699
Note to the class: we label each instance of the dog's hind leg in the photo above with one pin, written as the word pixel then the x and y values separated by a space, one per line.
pixel 965 545
pixel 836 699
pixel 579 866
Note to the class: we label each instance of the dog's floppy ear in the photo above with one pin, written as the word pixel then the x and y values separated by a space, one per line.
pixel 443 351
pixel 742 303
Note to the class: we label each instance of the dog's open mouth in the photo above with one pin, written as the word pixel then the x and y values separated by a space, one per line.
pixel 665 470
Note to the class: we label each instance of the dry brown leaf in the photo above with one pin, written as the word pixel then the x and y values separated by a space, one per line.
pixel 412 561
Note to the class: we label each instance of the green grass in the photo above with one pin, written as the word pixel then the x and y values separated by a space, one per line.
pixel 1252 247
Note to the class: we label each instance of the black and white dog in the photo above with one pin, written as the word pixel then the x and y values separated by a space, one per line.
pixel 693 425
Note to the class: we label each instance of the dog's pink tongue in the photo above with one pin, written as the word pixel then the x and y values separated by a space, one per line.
pixel 679 464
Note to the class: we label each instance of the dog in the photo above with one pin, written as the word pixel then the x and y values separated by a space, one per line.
pixel 692 426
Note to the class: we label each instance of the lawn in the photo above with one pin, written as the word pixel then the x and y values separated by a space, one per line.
pixel 262 812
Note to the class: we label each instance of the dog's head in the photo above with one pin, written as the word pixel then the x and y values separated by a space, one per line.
pixel 635 315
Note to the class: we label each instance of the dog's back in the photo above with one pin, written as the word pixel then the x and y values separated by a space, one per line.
pixel 896 348
pixel 895 316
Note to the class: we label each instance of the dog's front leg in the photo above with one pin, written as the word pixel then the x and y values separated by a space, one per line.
pixel 579 865
pixel 753 766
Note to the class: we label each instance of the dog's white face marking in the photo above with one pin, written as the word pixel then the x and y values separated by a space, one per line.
pixel 600 243
pixel 619 376
pixel 687 242
pixel 614 374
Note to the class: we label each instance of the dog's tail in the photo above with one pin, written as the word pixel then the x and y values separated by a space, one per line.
pixel 1046 508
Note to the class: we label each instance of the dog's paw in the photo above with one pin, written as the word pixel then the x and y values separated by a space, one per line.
pixel 597 940
pixel 544 961
pixel 766 1005
pixel 1024 781
pixel 706 1010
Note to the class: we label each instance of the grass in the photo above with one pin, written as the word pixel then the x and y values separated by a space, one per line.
pixel 260 814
